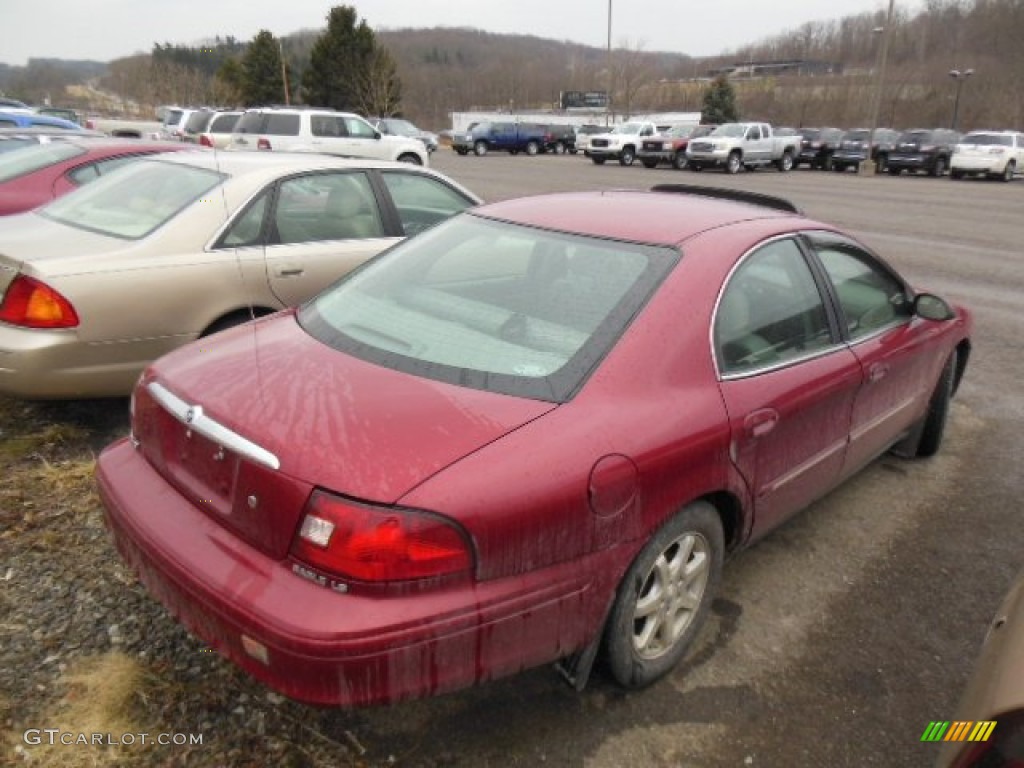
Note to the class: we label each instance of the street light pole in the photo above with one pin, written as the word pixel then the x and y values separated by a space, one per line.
pixel 960 77
pixel 608 64
pixel 876 102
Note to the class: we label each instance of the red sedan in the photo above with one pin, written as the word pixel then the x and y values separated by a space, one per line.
pixel 527 435
pixel 38 174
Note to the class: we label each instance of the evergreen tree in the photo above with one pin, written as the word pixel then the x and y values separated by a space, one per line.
pixel 262 82
pixel 348 70
pixel 720 102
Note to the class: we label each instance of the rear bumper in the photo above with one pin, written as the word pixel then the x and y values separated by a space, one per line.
pixel 324 646
pixel 54 364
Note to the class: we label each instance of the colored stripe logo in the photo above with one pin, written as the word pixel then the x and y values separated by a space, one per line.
pixel 959 730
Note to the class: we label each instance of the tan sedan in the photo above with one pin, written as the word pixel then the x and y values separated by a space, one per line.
pixel 114 275
pixel 988 729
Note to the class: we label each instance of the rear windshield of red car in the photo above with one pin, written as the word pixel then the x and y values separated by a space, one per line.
pixel 491 305
pixel 30 159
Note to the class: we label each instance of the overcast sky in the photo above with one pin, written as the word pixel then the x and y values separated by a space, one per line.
pixel 108 29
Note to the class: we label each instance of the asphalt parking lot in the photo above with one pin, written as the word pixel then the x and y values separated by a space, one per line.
pixel 838 638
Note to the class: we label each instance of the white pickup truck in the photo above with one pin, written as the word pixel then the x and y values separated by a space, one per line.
pixel 621 142
pixel 742 145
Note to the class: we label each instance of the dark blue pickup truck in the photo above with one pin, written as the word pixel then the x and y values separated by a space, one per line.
pixel 507 137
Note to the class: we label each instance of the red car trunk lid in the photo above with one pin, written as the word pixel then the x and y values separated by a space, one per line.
pixel 305 416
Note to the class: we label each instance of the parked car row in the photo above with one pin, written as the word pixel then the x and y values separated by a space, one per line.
pixel 515 137
pixel 737 146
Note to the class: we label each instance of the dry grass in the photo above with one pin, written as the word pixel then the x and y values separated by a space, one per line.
pixel 103 696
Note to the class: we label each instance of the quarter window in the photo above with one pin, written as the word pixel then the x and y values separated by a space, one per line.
pixel 869 297
pixel 422 201
pixel 770 312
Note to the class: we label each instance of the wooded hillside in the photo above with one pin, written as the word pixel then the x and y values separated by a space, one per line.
pixel 458 69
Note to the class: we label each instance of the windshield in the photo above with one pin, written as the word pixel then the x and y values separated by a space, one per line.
pixel 630 128
pixel 987 139
pixel 133 200
pixel 491 305
pixel 29 159
pixel 916 137
pixel 730 131
pixel 682 131
pixel 857 135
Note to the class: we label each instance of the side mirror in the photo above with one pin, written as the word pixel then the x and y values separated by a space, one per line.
pixel 931 307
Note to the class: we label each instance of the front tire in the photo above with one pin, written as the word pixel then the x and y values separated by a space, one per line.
pixel 649 163
pixel 410 158
pixel 734 163
pixel 938 167
pixel 627 157
pixel 925 437
pixel 679 161
pixel 598 160
pixel 480 148
pixel 665 597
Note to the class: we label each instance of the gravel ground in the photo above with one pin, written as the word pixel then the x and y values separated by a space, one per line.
pixel 69 605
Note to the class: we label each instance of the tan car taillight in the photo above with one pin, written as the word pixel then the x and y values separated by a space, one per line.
pixel 31 303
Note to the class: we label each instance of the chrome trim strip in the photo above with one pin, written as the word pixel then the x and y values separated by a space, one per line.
pixel 882 418
pixel 192 416
pixel 807 466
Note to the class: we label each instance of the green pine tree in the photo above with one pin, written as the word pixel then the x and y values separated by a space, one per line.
pixel 262 82
pixel 720 102
pixel 339 62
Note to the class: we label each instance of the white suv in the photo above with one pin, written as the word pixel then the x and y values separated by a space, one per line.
pixel 321 130
pixel 998 154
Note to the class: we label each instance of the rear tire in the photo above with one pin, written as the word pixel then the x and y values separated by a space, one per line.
pixel 597 160
pixel 1008 171
pixel 679 161
pixel 785 163
pixel 649 163
pixel 410 158
pixel 938 168
pixel 532 148
pixel 665 596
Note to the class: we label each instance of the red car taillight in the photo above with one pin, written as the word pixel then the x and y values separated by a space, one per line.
pixel 373 544
pixel 205 141
pixel 263 143
pixel 31 303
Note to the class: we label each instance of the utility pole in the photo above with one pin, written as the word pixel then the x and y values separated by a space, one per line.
pixel 284 72
pixel 876 103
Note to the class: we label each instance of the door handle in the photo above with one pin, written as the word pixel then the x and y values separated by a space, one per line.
pixel 877 372
pixel 289 271
pixel 759 423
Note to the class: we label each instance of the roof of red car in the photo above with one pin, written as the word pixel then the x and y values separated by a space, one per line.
pixel 659 218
